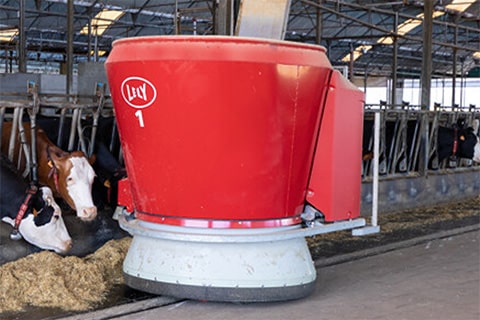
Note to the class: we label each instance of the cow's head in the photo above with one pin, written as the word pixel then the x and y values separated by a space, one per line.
pixel 469 143
pixel 476 153
pixel 43 225
pixel 74 182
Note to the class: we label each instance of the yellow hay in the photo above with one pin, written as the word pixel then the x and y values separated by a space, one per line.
pixel 46 279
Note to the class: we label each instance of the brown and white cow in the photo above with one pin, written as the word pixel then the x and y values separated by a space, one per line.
pixel 69 174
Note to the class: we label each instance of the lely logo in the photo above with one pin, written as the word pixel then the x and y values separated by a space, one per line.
pixel 138 92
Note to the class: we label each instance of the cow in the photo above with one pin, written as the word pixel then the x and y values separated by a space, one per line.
pixel 69 174
pixel 107 168
pixel 109 171
pixel 42 224
pixel 458 141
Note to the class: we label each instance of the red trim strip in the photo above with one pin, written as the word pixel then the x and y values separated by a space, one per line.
pixel 219 224
pixel 24 206
pixel 455 141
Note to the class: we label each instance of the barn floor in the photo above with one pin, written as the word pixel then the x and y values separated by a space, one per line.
pixel 435 280
pixel 420 262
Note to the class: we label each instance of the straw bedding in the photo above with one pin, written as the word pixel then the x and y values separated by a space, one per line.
pixel 46 279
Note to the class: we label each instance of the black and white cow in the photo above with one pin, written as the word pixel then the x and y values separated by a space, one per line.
pixel 459 142
pixel 42 224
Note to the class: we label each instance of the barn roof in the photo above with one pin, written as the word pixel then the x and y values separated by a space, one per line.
pixel 345 27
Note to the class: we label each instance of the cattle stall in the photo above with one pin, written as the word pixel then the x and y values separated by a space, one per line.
pixel 411 174
pixel 71 122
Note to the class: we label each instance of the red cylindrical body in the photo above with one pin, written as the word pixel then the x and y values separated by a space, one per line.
pixel 217 128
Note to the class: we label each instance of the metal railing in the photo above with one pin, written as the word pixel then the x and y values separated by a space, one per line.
pixel 77 119
pixel 408 140
pixel 408 135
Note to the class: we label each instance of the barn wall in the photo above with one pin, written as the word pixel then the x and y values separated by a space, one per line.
pixel 410 192
pixel 89 73
pixel 47 83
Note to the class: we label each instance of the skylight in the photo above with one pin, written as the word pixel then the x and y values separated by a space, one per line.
pixel 410 24
pixel 357 53
pixel 102 21
pixel 8 34
pixel 459 5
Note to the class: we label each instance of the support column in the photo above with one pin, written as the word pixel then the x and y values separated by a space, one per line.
pixel 395 62
pixel 454 66
pixel 398 94
pixel 427 54
pixel 69 71
pixel 22 64
pixel 319 26
pixel 89 47
pixel 224 20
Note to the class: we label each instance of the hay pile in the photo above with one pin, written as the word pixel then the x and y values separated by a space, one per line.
pixel 46 279
pixel 424 216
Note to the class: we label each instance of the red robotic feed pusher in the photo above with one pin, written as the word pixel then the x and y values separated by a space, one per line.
pixel 225 139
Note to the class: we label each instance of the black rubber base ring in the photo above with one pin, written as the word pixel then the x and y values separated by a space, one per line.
pixel 220 294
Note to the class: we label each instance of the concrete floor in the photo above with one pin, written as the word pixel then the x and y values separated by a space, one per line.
pixel 437 279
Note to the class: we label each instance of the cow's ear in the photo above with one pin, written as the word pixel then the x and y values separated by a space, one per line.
pixel 56 154
pixel 9 220
pixel 92 159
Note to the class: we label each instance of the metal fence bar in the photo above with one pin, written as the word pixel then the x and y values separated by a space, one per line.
pixel 68 114
pixel 408 136
pixel 408 141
